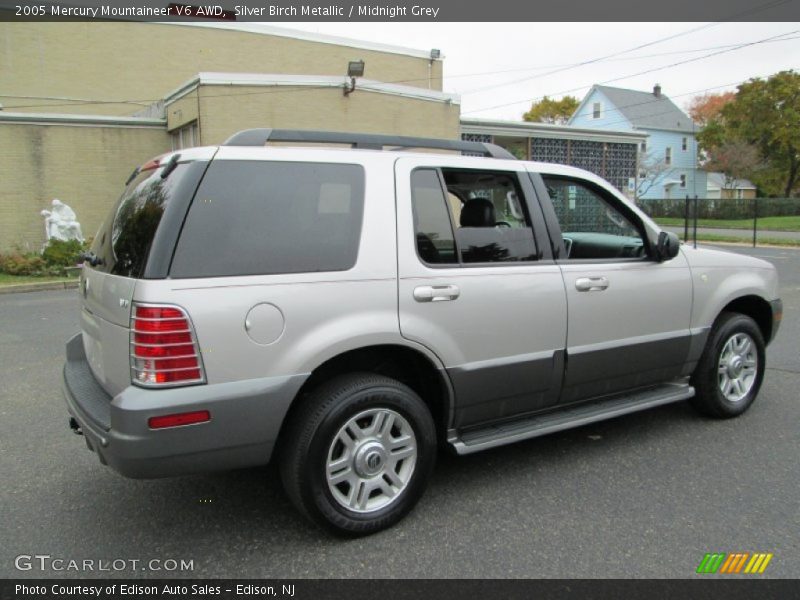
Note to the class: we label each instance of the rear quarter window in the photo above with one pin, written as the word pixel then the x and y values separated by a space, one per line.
pixel 124 241
pixel 259 218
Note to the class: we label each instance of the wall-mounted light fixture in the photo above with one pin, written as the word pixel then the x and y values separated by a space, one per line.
pixel 435 54
pixel 355 68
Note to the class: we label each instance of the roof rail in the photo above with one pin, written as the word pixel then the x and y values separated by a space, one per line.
pixel 259 137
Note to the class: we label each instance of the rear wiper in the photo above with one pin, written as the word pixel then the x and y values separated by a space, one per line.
pixel 170 166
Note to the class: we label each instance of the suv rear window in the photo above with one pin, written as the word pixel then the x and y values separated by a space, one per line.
pixel 259 218
pixel 124 240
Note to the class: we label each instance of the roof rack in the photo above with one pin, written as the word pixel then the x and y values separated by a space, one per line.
pixel 259 137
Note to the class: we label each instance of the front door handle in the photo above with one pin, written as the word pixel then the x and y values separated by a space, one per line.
pixel 436 293
pixel 591 284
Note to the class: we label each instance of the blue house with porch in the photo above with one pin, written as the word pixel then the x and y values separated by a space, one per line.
pixel 668 157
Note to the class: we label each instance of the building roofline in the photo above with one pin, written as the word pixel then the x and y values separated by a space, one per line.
pixel 79 119
pixel 694 129
pixel 547 130
pixel 740 184
pixel 308 36
pixel 585 100
pixel 318 81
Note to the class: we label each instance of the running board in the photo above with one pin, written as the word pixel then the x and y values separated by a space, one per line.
pixel 583 414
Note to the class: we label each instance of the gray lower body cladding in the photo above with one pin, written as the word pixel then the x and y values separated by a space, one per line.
pixel 246 417
pixel 505 388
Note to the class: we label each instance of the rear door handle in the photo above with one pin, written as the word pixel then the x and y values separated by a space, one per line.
pixel 436 293
pixel 591 284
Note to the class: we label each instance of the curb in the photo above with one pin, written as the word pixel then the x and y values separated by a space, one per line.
pixel 38 287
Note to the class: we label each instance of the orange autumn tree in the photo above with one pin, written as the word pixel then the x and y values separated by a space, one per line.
pixel 704 108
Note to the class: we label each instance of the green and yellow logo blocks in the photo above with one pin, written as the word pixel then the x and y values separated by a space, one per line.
pixel 734 563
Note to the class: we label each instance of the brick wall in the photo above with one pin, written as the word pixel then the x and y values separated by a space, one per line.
pixel 145 61
pixel 84 167
pixel 226 110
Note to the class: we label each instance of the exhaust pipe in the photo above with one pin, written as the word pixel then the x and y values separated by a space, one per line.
pixel 75 426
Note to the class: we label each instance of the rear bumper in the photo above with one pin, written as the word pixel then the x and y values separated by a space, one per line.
pixel 246 417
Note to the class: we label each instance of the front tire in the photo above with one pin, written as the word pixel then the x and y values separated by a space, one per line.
pixel 730 371
pixel 358 453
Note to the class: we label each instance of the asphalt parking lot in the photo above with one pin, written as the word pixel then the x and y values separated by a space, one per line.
pixel 645 495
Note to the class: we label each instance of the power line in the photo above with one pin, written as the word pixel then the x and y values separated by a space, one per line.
pixel 594 60
pixel 145 102
pixel 651 101
pixel 727 48
pixel 87 102
pixel 627 58
pixel 653 70
pixel 639 47
pixel 657 114
pixel 708 89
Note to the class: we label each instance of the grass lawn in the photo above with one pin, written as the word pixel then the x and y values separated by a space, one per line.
pixel 772 223
pixel 762 241
pixel 6 279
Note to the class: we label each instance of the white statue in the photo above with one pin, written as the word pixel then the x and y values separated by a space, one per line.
pixel 61 223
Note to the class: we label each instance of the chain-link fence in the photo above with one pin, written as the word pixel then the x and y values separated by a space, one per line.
pixel 751 220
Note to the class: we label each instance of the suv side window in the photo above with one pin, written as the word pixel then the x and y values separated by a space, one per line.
pixel 434 231
pixel 592 227
pixel 259 218
pixel 477 217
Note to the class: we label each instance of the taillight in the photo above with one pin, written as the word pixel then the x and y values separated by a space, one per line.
pixel 164 350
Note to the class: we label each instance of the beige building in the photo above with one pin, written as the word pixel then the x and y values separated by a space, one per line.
pixel 211 106
pixel 84 103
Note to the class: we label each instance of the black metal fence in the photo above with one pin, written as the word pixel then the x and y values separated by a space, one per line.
pixel 769 220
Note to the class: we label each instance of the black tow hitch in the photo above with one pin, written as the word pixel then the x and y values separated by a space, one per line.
pixel 75 426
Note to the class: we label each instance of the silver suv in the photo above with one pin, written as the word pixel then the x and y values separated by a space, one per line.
pixel 346 310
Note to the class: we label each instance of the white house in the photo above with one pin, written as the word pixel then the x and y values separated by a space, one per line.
pixel 720 186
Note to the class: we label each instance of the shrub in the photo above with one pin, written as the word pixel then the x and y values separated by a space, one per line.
pixel 23 264
pixel 58 253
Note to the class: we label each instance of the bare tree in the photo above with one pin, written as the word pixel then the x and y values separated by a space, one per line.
pixel 653 170
pixel 735 159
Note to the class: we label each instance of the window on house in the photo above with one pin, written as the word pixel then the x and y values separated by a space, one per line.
pixel 644 147
pixel 668 156
pixel 685 144
pixel 185 137
pixel 683 180
pixel 597 110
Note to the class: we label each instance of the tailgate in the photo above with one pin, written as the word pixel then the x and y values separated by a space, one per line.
pixel 134 242
pixel 105 321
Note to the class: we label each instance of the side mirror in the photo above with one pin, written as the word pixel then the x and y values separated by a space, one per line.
pixel 668 246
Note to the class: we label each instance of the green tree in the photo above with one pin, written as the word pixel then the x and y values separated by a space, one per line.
pixel 547 110
pixel 766 114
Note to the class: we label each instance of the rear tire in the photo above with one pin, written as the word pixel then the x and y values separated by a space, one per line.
pixel 358 453
pixel 730 371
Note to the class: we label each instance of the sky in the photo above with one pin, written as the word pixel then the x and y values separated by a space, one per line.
pixel 500 68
